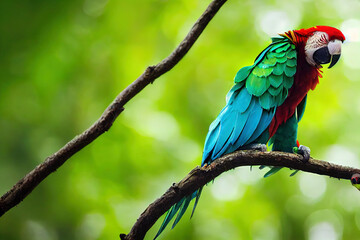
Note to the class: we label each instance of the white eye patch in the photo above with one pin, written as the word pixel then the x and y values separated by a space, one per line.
pixel 316 41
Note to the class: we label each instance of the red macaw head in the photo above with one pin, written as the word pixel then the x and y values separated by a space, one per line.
pixel 322 44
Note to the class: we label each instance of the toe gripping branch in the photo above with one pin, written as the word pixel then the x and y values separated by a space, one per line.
pixel 302 150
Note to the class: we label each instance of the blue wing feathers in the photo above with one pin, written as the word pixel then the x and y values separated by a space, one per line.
pixel 231 93
pixel 253 119
pixel 226 128
pixel 211 140
pixel 243 100
pixel 265 121
pixel 250 107
pixel 241 121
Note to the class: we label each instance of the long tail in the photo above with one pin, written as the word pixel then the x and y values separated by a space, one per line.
pixel 179 207
pixel 274 170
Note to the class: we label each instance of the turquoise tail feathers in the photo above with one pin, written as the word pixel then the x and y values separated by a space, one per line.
pixel 179 208
pixel 272 171
pixel 198 193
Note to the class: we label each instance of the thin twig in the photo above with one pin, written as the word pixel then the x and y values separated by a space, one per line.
pixel 24 187
pixel 198 177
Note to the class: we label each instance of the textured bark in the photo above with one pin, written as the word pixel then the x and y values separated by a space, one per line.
pixel 198 177
pixel 24 187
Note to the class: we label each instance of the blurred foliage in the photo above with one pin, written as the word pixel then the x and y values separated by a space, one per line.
pixel 63 62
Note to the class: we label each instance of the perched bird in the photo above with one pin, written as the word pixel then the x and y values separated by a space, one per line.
pixel 268 100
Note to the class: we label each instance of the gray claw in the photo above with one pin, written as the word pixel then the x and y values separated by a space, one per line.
pixel 255 146
pixel 305 152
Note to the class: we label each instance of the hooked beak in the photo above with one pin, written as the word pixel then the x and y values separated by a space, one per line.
pixel 334 47
pixel 334 60
pixel 328 54
pixel 322 56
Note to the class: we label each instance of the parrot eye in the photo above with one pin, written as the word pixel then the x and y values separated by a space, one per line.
pixel 316 49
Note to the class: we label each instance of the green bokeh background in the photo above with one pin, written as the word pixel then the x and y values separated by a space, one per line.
pixel 63 62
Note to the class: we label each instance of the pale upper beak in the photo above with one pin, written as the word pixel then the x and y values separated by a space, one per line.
pixel 334 47
pixel 328 54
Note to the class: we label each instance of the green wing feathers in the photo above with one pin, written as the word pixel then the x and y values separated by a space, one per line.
pixel 272 74
pixel 261 87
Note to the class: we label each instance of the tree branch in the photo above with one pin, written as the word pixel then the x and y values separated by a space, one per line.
pixel 24 187
pixel 198 177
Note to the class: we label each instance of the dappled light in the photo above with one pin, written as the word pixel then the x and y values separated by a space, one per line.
pixel 63 62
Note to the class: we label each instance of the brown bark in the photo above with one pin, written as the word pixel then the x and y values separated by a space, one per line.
pixel 198 177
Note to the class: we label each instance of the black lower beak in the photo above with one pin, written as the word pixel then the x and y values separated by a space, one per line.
pixel 322 56
pixel 334 60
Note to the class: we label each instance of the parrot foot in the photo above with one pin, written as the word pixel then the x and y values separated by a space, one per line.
pixel 255 146
pixel 303 151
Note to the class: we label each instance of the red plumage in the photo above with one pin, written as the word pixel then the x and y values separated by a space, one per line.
pixel 333 33
pixel 306 76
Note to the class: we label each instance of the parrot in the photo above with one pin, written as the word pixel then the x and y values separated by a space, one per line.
pixel 267 101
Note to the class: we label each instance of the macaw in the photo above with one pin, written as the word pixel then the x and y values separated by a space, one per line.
pixel 268 100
